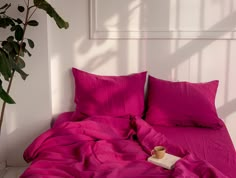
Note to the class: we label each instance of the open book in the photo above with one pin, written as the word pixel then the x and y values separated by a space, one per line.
pixel 168 161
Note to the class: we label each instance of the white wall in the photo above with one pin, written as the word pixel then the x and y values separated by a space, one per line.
pixel 173 59
pixel 32 113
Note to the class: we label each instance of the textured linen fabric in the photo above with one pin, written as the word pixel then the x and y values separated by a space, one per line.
pixel 109 95
pixel 212 145
pixel 182 103
pixel 104 146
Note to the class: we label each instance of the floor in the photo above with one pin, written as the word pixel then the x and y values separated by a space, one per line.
pixel 12 172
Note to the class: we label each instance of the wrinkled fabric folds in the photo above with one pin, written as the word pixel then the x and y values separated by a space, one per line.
pixel 102 146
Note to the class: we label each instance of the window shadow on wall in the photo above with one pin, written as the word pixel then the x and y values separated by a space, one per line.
pixel 163 58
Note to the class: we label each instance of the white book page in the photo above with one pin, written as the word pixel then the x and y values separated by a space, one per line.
pixel 167 161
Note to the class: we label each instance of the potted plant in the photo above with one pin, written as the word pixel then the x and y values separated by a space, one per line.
pixel 14 48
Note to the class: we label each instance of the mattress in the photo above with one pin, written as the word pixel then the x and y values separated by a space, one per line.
pixel 213 145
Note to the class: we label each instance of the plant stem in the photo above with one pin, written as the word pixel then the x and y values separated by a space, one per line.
pixel 18 56
pixel 4 103
pixel 32 12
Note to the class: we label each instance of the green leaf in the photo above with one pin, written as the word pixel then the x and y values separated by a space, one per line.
pixel 10 21
pixel 19 21
pixel 5 66
pixel 3 23
pixel 20 63
pixel 21 8
pixel 33 23
pixel 19 33
pixel 8 47
pixel 4 43
pixel 10 38
pixel 18 66
pixel 26 51
pixel 5 97
pixel 23 46
pixel 31 43
pixel 4 6
pixel 22 53
pixel 13 28
pixel 20 71
pixel 42 4
pixel 16 47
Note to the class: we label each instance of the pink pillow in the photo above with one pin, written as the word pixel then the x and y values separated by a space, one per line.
pixel 182 103
pixel 109 95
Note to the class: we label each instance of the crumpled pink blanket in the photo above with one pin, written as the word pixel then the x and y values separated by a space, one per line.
pixel 102 146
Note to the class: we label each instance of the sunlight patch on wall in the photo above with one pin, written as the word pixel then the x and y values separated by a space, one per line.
pixel 189 22
pixel 230 124
pixel 55 83
pixel 133 57
pixel 112 22
pixel 11 123
pixel 211 62
pixel 181 71
pixel 196 66
pixel 231 72
pixel 174 14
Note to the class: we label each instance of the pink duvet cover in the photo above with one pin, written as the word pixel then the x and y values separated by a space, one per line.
pixel 212 145
pixel 107 147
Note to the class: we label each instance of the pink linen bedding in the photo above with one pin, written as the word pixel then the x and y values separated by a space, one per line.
pixel 212 145
pixel 108 95
pixel 102 146
pixel 182 103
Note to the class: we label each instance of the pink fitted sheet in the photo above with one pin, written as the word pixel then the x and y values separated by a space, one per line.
pixel 215 146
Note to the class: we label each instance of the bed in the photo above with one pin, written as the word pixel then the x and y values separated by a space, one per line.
pixel 215 146
pixel 112 131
